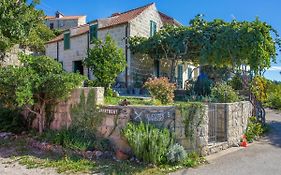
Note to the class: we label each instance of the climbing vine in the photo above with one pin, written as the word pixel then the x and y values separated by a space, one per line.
pixel 192 115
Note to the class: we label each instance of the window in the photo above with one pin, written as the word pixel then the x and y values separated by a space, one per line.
pixel 51 26
pixel 157 68
pixel 93 32
pixel 189 73
pixel 180 77
pixel 77 67
pixel 153 28
pixel 66 41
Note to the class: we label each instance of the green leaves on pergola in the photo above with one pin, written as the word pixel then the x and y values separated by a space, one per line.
pixel 218 43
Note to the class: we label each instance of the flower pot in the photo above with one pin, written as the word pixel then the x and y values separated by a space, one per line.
pixel 120 155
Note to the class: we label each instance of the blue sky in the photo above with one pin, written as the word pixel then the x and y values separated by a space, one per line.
pixel 182 10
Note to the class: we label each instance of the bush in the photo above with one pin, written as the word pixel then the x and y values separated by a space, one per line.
pixel 223 93
pixel 161 89
pixel 176 154
pixel 192 160
pixel 202 86
pixel 259 88
pixel 236 83
pixel 254 129
pixel 148 143
pixel 273 95
pixel 12 121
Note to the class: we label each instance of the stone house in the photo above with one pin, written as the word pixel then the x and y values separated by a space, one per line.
pixel 62 22
pixel 71 47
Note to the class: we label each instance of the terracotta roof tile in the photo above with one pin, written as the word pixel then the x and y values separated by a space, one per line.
pixel 63 18
pixel 76 31
pixel 121 18
pixel 168 20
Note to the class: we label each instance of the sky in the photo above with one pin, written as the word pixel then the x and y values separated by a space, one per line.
pixel 181 10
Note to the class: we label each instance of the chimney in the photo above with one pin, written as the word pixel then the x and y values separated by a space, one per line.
pixel 59 14
pixel 116 14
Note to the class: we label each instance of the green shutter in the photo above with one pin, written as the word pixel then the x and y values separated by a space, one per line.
pixel 189 73
pixel 66 41
pixel 93 32
pixel 153 28
pixel 180 75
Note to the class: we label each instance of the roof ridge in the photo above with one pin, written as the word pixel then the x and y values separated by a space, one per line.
pixel 145 6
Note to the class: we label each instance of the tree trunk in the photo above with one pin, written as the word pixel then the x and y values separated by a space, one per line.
pixel 41 117
pixel 172 71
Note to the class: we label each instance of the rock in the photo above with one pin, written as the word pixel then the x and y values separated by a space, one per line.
pixel 6 135
pixel 89 154
pixel 98 154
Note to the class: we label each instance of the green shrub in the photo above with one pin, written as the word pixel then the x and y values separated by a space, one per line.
pixel 70 138
pixel 223 93
pixel 254 129
pixel 202 86
pixel 192 160
pixel 148 143
pixel 176 154
pixel 161 89
pixel 273 95
pixel 259 88
pixel 236 83
pixel 12 121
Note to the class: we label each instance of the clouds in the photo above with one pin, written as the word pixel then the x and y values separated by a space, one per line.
pixel 275 68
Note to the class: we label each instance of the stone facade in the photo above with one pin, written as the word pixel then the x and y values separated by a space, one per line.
pixel 139 68
pixel 61 22
pixel 11 57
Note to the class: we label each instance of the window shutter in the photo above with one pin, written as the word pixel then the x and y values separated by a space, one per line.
pixel 180 77
pixel 93 32
pixel 153 28
pixel 189 73
pixel 66 41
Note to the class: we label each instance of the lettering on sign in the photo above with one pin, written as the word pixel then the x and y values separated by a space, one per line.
pixel 109 111
pixel 152 115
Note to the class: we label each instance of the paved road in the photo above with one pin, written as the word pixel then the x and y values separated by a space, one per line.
pixel 260 158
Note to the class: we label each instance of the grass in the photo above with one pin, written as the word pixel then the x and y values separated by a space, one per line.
pixel 62 165
pixel 34 158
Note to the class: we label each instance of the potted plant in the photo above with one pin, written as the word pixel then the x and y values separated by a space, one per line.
pixel 137 84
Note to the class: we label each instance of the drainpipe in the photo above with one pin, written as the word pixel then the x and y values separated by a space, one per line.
pixel 88 48
pixel 58 51
pixel 126 54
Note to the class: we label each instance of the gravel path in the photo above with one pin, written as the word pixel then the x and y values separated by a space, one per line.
pixel 260 158
pixel 13 168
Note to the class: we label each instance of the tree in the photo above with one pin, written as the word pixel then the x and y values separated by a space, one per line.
pixel 218 43
pixel 106 60
pixel 38 82
pixel 21 24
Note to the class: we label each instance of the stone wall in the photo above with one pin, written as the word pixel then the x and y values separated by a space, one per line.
pixel 61 113
pixel 11 57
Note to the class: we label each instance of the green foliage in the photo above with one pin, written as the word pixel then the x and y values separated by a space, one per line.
pixel 259 88
pixel 254 129
pixel 217 43
pixel 12 121
pixel 85 115
pixel 62 165
pixel 38 82
pixel 176 154
pixel 202 86
pixel 273 95
pixel 192 160
pixel 107 61
pixel 223 93
pixel 148 143
pixel 22 24
pixel 236 82
pixel 161 89
pixel 192 114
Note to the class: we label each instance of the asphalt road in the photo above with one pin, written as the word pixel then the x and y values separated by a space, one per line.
pixel 260 158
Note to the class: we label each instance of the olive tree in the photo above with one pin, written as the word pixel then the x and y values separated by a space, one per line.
pixel 38 82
